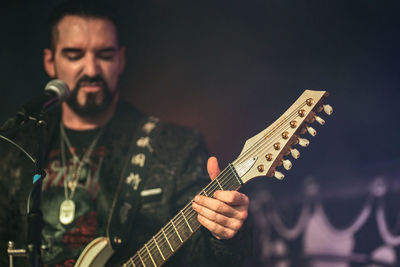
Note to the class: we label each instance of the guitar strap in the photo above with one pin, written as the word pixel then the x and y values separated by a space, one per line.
pixel 127 196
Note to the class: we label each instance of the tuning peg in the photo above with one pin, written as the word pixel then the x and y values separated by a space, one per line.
pixel 304 142
pixel 311 119
pixel 328 109
pixel 279 175
pixel 295 153
pixel 320 120
pixel 287 164
pixel 311 131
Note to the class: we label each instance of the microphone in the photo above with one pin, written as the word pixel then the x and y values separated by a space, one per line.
pixel 55 92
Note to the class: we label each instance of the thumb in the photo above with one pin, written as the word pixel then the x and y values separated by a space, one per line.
pixel 212 167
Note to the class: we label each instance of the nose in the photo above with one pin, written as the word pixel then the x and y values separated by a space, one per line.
pixel 91 67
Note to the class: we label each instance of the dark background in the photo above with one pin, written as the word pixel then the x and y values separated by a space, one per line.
pixel 231 68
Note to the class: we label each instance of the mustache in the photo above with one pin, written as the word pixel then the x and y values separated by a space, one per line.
pixel 87 80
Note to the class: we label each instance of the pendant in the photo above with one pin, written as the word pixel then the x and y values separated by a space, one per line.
pixel 67 212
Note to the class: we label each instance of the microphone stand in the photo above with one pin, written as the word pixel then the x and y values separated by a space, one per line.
pixel 34 112
pixel 35 217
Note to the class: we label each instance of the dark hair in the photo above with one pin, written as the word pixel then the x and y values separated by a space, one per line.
pixel 84 9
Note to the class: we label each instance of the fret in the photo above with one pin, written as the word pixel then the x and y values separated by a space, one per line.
pixel 166 238
pixel 151 257
pixel 193 221
pixel 140 257
pixel 184 217
pixel 155 242
pixel 130 261
pixel 172 236
pixel 155 254
pixel 182 226
pixel 164 245
pixel 218 183
pixel 173 225
pixel 205 193
pixel 226 180
pixel 182 222
pixel 234 173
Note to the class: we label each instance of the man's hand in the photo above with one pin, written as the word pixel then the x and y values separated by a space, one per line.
pixel 224 214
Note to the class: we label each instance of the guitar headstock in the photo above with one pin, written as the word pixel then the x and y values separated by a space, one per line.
pixel 266 151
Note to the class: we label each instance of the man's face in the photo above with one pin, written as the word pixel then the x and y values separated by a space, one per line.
pixel 87 57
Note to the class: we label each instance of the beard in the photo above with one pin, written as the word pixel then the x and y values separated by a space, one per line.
pixel 91 106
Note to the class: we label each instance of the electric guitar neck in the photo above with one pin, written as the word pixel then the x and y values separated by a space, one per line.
pixel 261 155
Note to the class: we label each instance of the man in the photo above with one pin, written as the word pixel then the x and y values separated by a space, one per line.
pixel 111 170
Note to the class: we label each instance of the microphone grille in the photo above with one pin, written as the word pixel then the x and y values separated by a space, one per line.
pixel 59 87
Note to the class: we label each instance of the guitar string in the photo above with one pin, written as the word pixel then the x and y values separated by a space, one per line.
pixel 152 248
pixel 189 215
pixel 214 186
pixel 266 144
pixel 290 117
pixel 179 220
pixel 151 245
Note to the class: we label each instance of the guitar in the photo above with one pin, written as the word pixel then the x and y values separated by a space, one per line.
pixel 261 156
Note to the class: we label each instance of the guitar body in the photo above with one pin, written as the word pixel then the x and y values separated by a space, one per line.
pixel 262 155
pixel 96 254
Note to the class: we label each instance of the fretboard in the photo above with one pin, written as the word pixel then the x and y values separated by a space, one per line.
pixel 178 230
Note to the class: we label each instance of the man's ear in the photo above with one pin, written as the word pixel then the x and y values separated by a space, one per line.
pixel 48 62
pixel 122 59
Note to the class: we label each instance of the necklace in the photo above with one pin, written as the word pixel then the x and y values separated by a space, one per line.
pixel 67 207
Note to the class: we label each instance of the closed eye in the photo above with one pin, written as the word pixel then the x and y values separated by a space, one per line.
pixel 106 53
pixel 72 54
